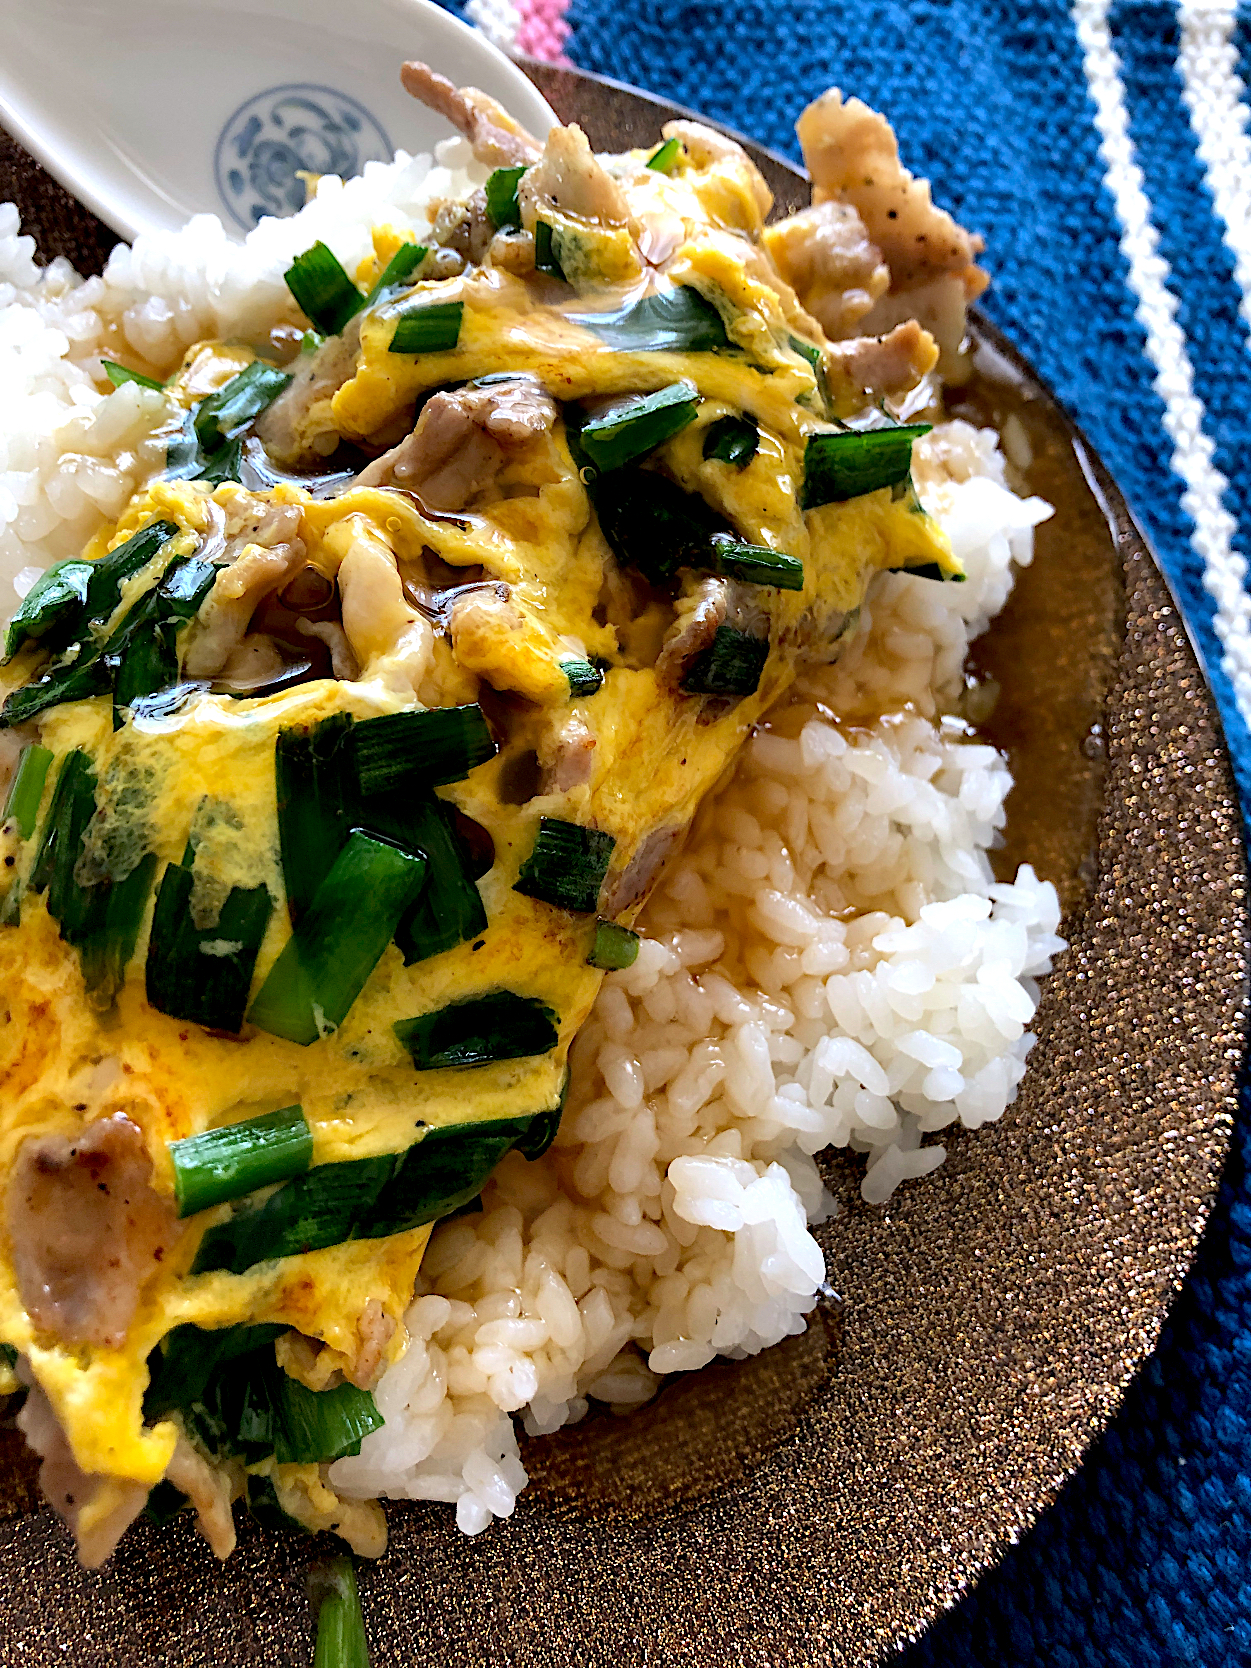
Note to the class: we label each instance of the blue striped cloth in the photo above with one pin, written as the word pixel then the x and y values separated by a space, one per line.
pixel 1103 152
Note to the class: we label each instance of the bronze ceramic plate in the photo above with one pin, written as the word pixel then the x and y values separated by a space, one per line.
pixel 824 1500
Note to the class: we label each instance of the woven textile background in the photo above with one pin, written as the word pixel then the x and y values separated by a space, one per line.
pixel 1102 150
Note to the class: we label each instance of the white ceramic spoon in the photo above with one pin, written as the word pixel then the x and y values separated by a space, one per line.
pixel 150 111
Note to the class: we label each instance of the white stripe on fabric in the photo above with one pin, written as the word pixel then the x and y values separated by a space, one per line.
pixel 1224 570
pixel 1216 99
pixel 499 21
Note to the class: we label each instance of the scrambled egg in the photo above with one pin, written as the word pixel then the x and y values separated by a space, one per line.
pixel 483 600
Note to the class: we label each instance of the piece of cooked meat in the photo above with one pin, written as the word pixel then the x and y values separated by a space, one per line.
pixel 464 228
pixel 284 428
pixel 208 1490
pixel 566 756
pixel 826 255
pixel 885 366
pixel 462 440
pixel 264 559
pixel 98 1510
pixel 853 157
pixel 375 1329
pixel 497 140
pixel 571 179
pixel 87 1229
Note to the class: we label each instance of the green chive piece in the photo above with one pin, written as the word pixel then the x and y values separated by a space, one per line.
pixel 225 464
pixel 224 1164
pixel 756 564
pixel 615 947
pixel 677 320
pixel 846 463
pixel 115 914
pixel 652 525
pixel 545 257
pixel 53 611
pixel 427 749
pixel 806 350
pixel 110 573
pixel 26 789
pixel 730 665
pixel 732 440
pixel 310 341
pixel 118 374
pixel 77 681
pixel 45 846
pixel 405 261
pixel 202 974
pixel 584 679
pixel 629 431
pixel 323 289
pixel 340 1626
pixel 317 1426
pixel 479 1031
pixel 181 1369
pixel 73 804
pixel 501 198
pixel 313 769
pixel 450 909
pixel 664 156
pixel 434 327
pixel 228 412
pixel 339 940
pixel 364 1198
pixel 567 865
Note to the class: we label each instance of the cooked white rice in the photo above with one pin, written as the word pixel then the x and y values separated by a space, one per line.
pixel 830 961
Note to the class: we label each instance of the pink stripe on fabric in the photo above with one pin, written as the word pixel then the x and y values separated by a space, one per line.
pixel 542 30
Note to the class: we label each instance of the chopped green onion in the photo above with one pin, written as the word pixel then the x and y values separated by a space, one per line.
pixel 310 341
pixel 202 974
pixel 567 865
pixel 846 463
pixel 339 940
pixel 323 289
pixel 806 350
pixel 677 320
pixel 118 374
pixel 313 770
pixel 341 1639
pixel 58 608
pixel 730 665
pixel 732 440
pixel 224 1164
pixel 434 327
pixel 317 1426
pixel 26 788
pixel 180 1370
pixel 363 1198
pixel 405 261
pixel 228 412
pixel 53 612
pixel 426 749
pixel 756 564
pixel 664 156
pixel 185 586
pixel 450 909
pixel 615 947
pixel 630 430
pixel 479 1031
pixel 225 464
pixel 71 808
pixel 544 1127
pixel 501 198
pixel 652 525
pixel 107 942
pixel 545 258
pixel 584 679
pixel 110 573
